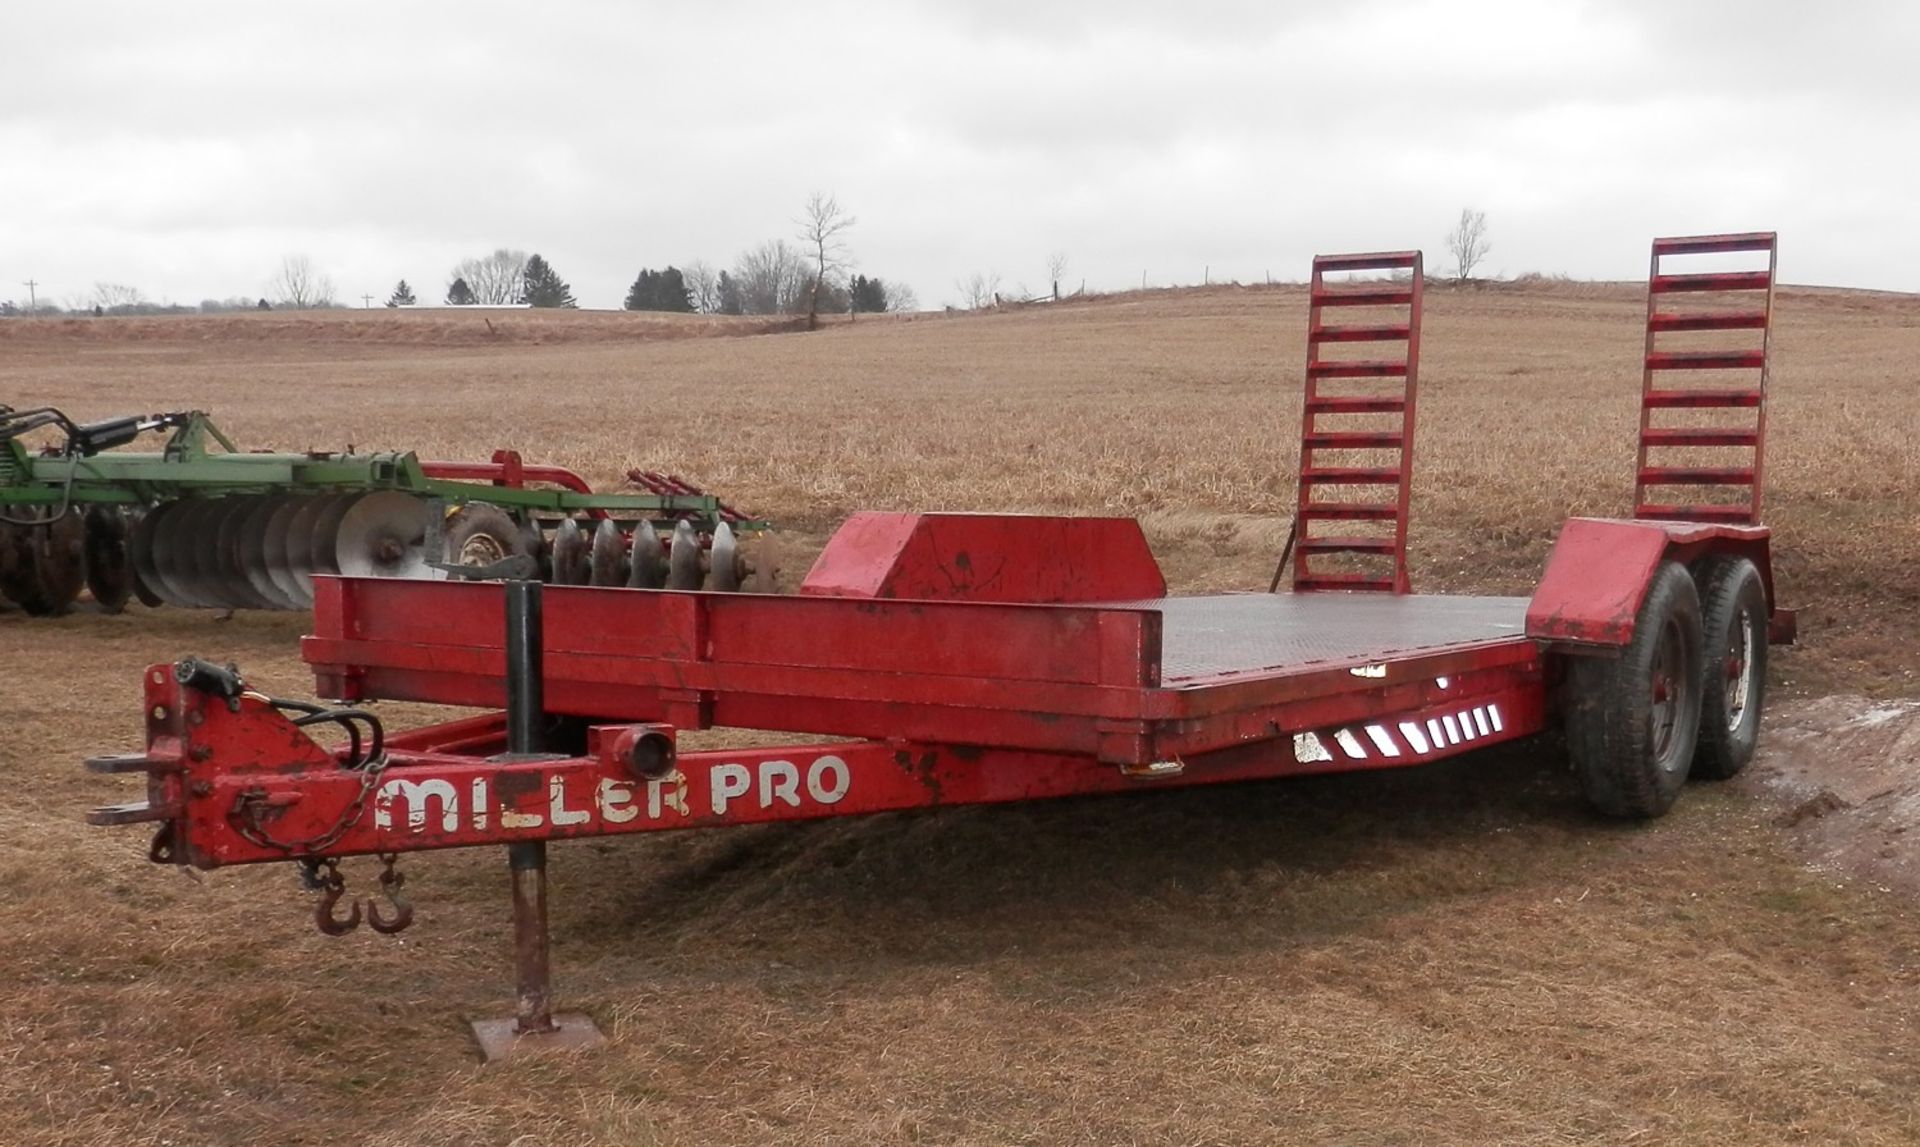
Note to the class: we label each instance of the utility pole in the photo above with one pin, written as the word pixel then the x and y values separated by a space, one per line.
pixel 366 302
pixel 33 301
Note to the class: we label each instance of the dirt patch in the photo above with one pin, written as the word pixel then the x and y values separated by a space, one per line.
pixel 1847 772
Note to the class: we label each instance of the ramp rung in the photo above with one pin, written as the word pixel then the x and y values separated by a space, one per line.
pixel 1696 476
pixel 1710 513
pixel 1381 297
pixel 1357 368
pixel 1723 321
pixel 1705 244
pixel 1706 359
pixel 1711 281
pixel 1356 404
pixel 1700 436
pixel 1348 545
pixel 1386 332
pixel 1350 512
pixel 1353 439
pixel 1676 399
pixel 1368 261
pixel 1342 581
pixel 1350 476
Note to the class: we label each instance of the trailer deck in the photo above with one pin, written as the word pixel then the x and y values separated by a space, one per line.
pixel 1231 635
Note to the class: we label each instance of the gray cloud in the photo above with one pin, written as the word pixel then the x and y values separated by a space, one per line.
pixel 186 148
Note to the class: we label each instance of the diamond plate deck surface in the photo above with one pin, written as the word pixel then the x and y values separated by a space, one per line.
pixel 1244 633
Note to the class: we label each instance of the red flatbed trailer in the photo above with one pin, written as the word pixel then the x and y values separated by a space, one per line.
pixel 966 659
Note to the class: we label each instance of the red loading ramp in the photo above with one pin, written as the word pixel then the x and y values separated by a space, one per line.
pixel 1718 478
pixel 1356 425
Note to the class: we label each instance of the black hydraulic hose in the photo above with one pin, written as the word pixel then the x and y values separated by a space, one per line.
pixel 353 733
pixel 348 719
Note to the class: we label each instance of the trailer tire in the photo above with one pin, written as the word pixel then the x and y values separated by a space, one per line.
pixel 1633 720
pixel 1733 672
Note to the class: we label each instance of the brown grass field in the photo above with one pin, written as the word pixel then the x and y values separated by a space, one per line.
pixel 1458 954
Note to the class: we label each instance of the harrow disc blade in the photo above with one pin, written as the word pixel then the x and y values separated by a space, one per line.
pixel 609 554
pixel 384 534
pixel 199 553
pixel 763 563
pixel 42 567
pixel 137 537
pixel 323 548
pixel 146 571
pixel 250 553
pixel 683 558
pixel 175 566
pixel 230 566
pixel 62 560
pixel 293 549
pixel 274 532
pixel 647 564
pixel 109 568
pixel 13 554
pixel 725 559
pixel 569 554
pixel 534 542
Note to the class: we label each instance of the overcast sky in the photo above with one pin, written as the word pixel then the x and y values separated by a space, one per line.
pixel 184 148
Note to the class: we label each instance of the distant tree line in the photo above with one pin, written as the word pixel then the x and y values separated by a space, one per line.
pixel 504 278
pixel 773 278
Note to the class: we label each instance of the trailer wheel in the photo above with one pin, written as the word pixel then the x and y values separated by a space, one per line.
pixel 1733 679
pixel 1633 721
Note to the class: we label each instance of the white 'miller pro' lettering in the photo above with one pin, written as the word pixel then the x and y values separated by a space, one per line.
pixel 436 804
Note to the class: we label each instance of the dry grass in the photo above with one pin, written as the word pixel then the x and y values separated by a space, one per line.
pixel 1453 955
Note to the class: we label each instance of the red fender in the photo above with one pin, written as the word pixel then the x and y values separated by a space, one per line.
pixel 1600 569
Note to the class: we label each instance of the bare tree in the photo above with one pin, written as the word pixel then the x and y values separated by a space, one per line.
pixel 978 290
pixel 703 285
pixel 773 279
pixel 1468 243
pixel 497 279
pixel 900 298
pixel 112 297
pixel 299 286
pixel 822 223
pixel 1056 270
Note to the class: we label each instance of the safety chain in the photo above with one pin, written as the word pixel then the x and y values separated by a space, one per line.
pixel 247 818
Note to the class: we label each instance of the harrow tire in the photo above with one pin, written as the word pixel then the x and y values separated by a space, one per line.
pixel 1633 720
pixel 1733 672
pixel 478 534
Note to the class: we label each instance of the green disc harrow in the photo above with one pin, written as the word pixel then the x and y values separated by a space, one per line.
pixel 202 524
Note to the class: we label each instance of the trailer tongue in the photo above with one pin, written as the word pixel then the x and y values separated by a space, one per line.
pixel 963 659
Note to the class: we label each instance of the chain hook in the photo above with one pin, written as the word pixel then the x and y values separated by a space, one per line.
pixel 332 887
pixel 391 881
